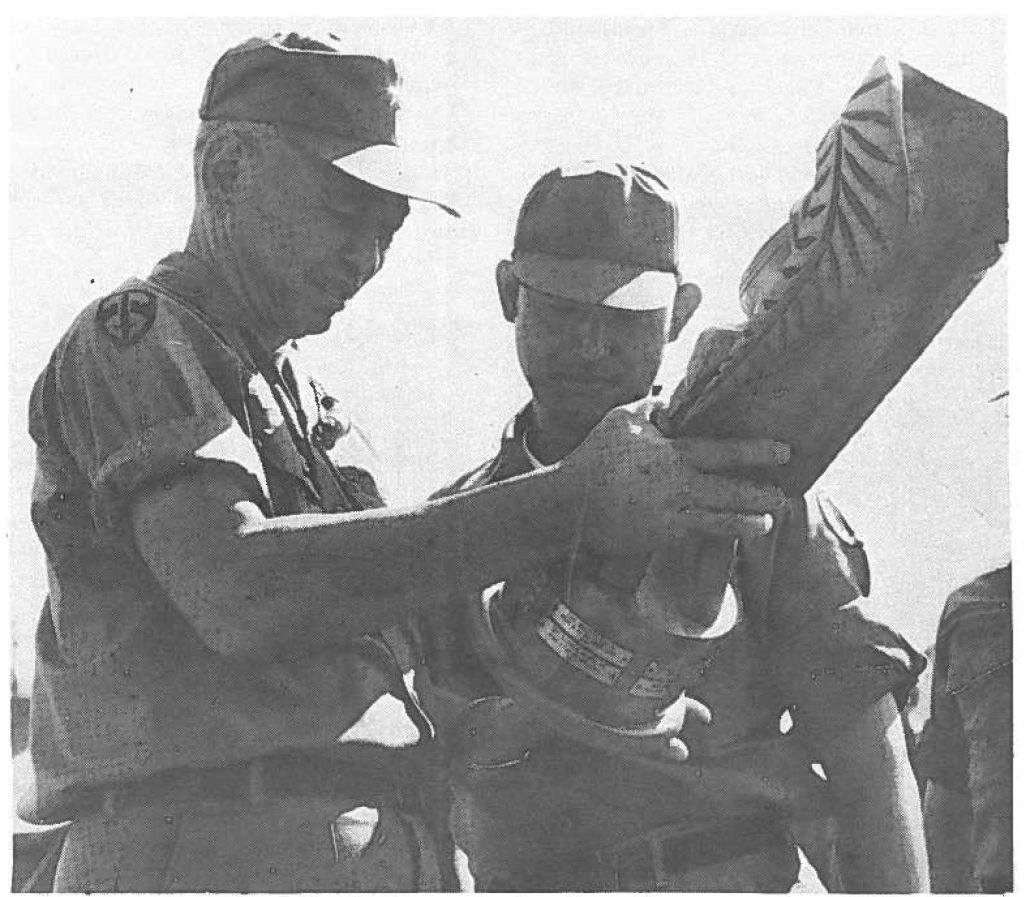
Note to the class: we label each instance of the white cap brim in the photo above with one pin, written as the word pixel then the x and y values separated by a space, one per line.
pixel 596 281
pixel 392 169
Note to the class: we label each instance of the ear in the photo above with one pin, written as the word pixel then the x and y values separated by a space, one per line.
pixel 508 289
pixel 221 165
pixel 687 301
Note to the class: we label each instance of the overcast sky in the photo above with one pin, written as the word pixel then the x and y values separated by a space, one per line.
pixel 727 111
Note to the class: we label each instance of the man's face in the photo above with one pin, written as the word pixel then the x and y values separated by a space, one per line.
pixel 582 360
pixel 312 234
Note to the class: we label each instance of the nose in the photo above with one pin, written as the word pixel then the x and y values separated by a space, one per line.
pixel 367 260
pixel 378 254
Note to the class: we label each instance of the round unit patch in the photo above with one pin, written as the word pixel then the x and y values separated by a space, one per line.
pixel 126 317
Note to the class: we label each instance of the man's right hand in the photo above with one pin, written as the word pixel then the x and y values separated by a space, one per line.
pixel 644 491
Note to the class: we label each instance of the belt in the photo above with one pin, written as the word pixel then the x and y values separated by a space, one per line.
pixel 652 859
pixel 377 775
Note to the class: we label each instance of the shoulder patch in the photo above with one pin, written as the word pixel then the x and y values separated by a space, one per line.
pixel 126 317
pixel 851 546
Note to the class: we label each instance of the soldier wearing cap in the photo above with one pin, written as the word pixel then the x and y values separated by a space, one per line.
pixel 555 787
pixel 221 698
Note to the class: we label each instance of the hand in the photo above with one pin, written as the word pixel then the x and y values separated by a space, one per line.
pixel 684 585
pixel 670 725
pixel 643 491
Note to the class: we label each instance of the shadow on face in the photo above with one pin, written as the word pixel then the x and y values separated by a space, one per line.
pixel 586 359
pixel 581 359
pixel 307 235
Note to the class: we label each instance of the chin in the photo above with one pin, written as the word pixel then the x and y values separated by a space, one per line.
pixel 311 327
pixel 316 331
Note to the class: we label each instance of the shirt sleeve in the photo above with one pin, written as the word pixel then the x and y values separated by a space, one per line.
pixel 987 711
pixel 131 414
pixel 829 658
pixel 980 682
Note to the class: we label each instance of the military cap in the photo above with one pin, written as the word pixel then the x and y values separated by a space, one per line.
pixel 599 233
pixel 345 107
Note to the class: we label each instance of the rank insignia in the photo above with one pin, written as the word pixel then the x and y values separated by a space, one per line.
pixel 126 317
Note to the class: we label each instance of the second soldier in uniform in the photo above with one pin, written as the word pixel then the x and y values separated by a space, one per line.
pixel 748 632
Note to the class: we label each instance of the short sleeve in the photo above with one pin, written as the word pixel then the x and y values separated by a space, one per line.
pixel 830 660
pixel 129 412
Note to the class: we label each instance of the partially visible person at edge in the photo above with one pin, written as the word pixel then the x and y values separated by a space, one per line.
pixel 594 293
pixel 220 697
pixel 965 754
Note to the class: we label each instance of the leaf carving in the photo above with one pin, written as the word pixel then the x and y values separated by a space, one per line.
pixel 858 184
pixel 908 208
pixel 841 230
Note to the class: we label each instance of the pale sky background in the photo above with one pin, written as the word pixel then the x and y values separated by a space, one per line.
pixel 727 111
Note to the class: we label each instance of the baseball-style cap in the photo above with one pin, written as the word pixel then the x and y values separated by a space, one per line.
pixel 599 233
pixel 345 108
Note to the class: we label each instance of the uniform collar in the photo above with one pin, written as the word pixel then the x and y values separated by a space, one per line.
pixel 513 441
pixel 512 459
pixel 189 277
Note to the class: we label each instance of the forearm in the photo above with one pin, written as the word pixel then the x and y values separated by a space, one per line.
pixel 882 846
pixel 467 541
pixel 251 583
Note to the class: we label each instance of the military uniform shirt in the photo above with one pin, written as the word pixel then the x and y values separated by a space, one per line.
pixel 147 384
pixel 967 744
pixel 804 643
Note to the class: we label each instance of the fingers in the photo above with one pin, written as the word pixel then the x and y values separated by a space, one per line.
pixel 673 747
pixel 725 524
pixel 731 454
pixel 713 455
pixel 708 491
pixel 698 710
pixel 681 711
pixel 676 749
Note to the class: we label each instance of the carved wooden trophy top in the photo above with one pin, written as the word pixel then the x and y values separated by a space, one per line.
pixel 907 212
